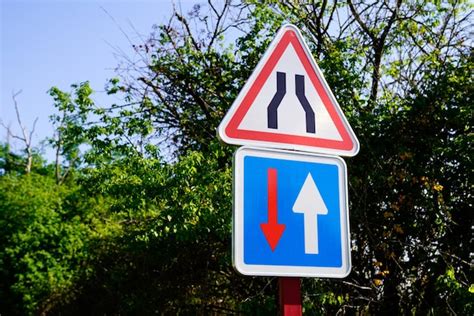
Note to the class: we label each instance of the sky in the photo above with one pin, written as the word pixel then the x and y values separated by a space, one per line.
pixel 47 43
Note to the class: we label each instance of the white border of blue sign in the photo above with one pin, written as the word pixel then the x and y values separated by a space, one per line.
pixel 238 217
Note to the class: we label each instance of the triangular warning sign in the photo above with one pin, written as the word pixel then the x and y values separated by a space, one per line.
pixel 286 103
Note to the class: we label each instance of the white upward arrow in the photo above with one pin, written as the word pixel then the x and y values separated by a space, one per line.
pixel 311 204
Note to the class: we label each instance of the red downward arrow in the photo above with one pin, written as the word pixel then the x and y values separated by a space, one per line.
pixel 272 230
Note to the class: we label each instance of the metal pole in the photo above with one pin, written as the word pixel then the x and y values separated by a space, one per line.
pixel 290 296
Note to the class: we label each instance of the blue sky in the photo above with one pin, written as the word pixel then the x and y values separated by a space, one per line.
pixel 47 43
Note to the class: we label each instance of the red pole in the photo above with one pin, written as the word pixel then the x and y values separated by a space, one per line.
pixel 290 296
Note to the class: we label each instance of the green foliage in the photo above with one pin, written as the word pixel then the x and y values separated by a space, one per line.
pixel 69 124
pixel 14 163
pixel 46 231
pixel 416 198
pixel 9 161
pixel 458 297
pixel 174 248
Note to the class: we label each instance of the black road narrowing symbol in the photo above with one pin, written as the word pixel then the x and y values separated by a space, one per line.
pixel 272 110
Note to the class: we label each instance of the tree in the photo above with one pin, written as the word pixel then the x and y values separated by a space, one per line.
pixel 381 61
pixel 397 258
pixel 46 232
pixel 25 138
pixel 68 125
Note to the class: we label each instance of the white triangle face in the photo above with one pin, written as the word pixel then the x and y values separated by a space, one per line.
pixel 287 104
pixel 290 110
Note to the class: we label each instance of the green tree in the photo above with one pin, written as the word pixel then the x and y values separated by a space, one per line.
pixel 69 127
pixel 46 230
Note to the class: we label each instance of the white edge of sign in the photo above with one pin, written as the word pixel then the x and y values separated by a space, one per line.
pixel 235 141
pixel 238 218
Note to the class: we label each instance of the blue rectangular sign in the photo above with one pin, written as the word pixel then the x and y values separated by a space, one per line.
pixel 290 214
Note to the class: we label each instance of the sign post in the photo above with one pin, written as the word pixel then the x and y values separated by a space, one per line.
pixel 290 296
pixel 290 208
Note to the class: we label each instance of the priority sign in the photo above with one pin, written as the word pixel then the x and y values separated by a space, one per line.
pixel 290 214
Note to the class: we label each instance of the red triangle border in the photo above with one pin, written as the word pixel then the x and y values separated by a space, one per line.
pixel 232 131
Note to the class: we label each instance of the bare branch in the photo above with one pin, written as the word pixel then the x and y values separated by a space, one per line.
pixel 217 27
pixel 184 22
pixel 27 137
pixel 360 22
